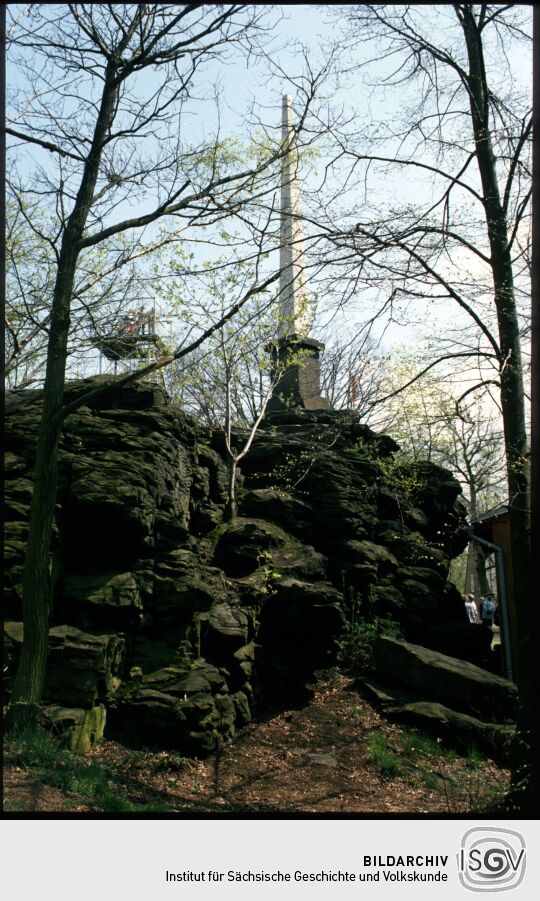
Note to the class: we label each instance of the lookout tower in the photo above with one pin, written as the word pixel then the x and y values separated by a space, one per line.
pixel 131 337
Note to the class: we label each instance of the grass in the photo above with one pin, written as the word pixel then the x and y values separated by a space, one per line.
pixel 474 757
pixel 41 753
pixel 418 756
pixel 383 756
pixel 420 744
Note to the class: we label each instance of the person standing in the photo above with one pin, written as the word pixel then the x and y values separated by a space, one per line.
pixel 472 609
pixel 487 610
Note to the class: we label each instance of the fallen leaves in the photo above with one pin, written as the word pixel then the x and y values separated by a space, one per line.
pixel 308 761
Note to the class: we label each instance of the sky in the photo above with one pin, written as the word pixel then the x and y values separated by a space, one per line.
pixel 315 26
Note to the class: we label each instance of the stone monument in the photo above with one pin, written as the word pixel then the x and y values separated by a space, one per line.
pixel 296 356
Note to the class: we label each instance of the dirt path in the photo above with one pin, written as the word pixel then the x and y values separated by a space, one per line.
pixel 321 759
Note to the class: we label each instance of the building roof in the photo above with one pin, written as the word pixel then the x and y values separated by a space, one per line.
pixel 494 513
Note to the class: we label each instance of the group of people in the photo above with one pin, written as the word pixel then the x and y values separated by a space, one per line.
pixel 486 612
pixel 133 323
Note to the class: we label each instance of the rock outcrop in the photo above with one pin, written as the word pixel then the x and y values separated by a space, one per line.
pixel 177 623
pixel 452 697
pixel 451 681
pixel 455 727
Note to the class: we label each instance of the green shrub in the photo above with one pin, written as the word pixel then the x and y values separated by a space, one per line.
pixel 170 762
pixel 332 675
pixel 357 642
pixel 398 472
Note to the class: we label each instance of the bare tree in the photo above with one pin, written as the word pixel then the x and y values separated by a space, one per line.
pixel 465 132
pixel 352 373
pixel 229 382
pixel 102 95
pixel 106 283
pixel 428 425
pixel 197 381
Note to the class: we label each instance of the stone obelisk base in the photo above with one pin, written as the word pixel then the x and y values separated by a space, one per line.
pixel 296 362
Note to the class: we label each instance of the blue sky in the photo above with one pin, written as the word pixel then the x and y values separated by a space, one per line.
pixel 242 84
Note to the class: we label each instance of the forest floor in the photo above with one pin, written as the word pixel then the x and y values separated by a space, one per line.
pixel 337 755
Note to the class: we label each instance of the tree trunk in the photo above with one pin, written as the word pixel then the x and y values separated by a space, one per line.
pixel 511 372
pixel 230 508
pixel 30 677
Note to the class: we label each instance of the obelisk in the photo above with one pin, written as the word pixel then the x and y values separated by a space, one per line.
pixel 296 356
pixel 294 314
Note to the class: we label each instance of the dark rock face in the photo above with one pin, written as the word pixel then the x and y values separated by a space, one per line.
pixel 179 623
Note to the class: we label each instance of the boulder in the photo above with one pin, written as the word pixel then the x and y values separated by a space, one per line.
pixel 447 680
pixel 183 708
pixel 251 545
pixel 465 640
pixel 149 655
pixel 223 631
pixel 426 576
pixel 148 578
pixel 412 549
pixel 181 590
pixel 240 549
pixel 387 601
pixel 419 598
pixel 242 710
pixel 300 625
pixel 454 726
pixel 183 681
pixel 360 576
pixel 300 561
pixel 366 552
pixel 79 729
pixel 135 396
pixel 217 479
pixel 83 669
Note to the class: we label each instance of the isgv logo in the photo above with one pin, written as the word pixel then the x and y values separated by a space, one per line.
pixel 491 859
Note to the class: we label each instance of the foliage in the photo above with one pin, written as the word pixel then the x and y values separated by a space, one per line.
pixel 398 473
pixel 357 643
pixel 231 382
pixel 331 675
pixel 107 282
pixel 457 573
pixel 429 422
pixel 268 575
pixel 236 355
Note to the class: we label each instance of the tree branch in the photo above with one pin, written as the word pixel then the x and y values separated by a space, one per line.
pixel 30 139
